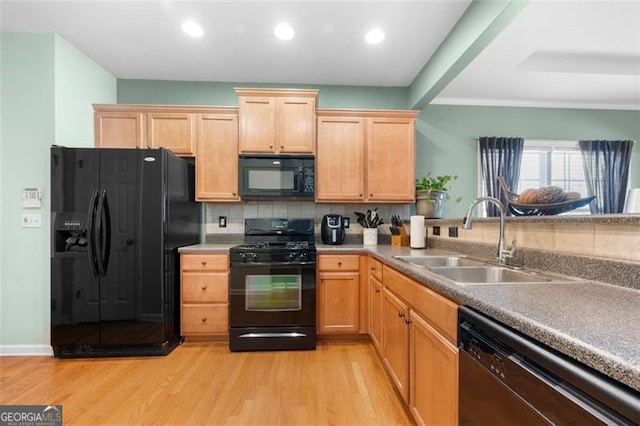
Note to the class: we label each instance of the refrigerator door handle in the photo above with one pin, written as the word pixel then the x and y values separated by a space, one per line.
pixel 104 233
pixel 91 243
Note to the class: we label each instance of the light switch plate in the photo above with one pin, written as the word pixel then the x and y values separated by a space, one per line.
pixel 31 220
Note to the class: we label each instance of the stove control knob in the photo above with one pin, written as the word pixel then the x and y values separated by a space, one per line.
pixel 253 257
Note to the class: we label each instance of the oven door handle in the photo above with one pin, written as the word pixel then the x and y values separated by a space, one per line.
pixel 287 264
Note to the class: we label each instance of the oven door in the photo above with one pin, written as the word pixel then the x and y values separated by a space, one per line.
pixel 272 307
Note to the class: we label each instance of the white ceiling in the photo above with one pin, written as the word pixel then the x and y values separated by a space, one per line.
pixel 556 53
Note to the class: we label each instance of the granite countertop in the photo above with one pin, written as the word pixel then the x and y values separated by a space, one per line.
pixel 595 323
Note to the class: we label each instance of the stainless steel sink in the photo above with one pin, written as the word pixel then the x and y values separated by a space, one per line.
pixel 496 275
pixel 435 261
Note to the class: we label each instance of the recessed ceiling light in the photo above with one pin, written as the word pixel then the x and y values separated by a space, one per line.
pixel 284 31
pixel 192 29
pixel 374 36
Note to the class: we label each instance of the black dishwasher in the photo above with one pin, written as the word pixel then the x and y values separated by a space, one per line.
pixel 507 378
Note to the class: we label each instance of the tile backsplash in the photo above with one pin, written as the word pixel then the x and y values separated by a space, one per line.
pixel 236 213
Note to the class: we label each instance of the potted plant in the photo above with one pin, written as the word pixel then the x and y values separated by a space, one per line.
pixel 431 193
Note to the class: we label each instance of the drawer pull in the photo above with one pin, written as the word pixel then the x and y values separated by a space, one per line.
pixel 204 262
pixel 204 287
pixel 203 319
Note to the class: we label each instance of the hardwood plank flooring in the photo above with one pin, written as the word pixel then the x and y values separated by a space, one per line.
pixel 340 383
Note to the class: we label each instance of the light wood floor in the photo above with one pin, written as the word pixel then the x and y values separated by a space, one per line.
pixel 340 383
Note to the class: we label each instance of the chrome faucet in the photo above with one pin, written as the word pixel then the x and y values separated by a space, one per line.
pixel 504 253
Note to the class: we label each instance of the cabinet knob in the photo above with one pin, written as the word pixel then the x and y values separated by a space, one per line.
pixel 401 314
pixel 270 146
pixel 408 321
pixel 377 290
pixel 281 146
pixel 360 194
pixel 371 195
pixel 204 262
pixel 203 319
pixel 234 194
pixel 339 263
pixel 373 268
pixel 204 287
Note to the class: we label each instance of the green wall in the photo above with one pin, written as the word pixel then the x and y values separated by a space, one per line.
pixel 222 94
pixel 47 90
pixel 446 138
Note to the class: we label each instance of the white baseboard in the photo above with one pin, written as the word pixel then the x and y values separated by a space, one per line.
pixel 26 350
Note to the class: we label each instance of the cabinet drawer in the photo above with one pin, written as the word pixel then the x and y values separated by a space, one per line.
pixel 205 319
pixel 336 262
pixel 205 287
pixel 375 268
pixel 205 262
pixel 439 311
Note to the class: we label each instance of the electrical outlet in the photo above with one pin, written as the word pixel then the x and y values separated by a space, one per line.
pixel 346 221
pixel 222 221
pixel 453 231
pixel 31 220
pixel 436 230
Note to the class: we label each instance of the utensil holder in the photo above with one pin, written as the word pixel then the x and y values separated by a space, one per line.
pixel 370 236
pixel 396 240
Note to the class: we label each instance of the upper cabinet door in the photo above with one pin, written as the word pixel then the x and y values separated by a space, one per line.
pixel 295 125
pixel 391 159
pixel 277 121
pixel 174 131
pixel 217 158
pixel 340 159
pixel 257 126
pixel 115 129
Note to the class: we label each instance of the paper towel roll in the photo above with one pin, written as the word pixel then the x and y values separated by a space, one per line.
pixel 417 237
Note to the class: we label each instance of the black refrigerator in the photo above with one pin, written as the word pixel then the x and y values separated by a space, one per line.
pixel 118 217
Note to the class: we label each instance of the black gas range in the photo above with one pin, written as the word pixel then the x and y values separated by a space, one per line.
pixel 272 286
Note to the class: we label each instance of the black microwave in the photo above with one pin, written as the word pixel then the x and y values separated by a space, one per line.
pixel 273 177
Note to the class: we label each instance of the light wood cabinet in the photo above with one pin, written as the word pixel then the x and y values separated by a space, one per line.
pixel 365 155
pixel 375 302
pixel 338 294
pixel 217 157
pixel 391 159
pixel 277 121
pixel 340 155
pixel 433 375
pixel 395 347
pixel 204 295
pixel 431 350
pixel 147 126
pixel 172 130
pixel 118 129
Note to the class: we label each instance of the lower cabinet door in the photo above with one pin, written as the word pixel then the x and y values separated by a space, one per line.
pixel 205 319
pixel 433 375
pixel 395 347
pixel 339 302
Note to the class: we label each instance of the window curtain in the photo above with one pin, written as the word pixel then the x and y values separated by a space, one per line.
pixel 499 156
pixel 606 170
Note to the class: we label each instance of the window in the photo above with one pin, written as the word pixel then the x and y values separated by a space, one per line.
pixel 553 162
